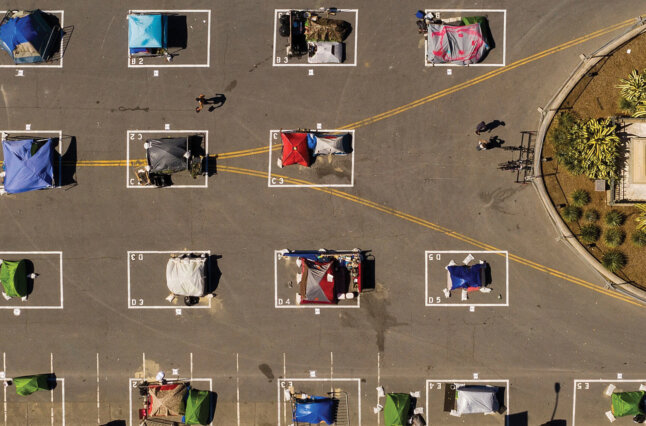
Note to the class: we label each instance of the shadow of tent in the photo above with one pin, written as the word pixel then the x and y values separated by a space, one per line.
pixel 177 32
pixel 29 269
pixel 211 166
pixel 213 274
pixel 214 402
pixel 518 419
pixel 115 423
pixel 65 165
pixel 555 423
pixel 368 280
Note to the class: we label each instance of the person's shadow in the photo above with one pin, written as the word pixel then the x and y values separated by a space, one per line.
pixel 216 101
pixel 495 142
pixel 494 125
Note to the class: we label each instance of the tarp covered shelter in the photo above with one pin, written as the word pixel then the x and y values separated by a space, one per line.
pixel 26 385
pixel 627 403
pixel 325 29
pixel 477 399
pixel 13 276
pixel 332 144
pixel 185 276
pixel 198 407
pixel 167 155
pixel 464 276
pixel 167 400
pixel 396 409
pixel 326 52
pixel 28 165
pixel 295 149
pixel 315 409
pixel 318 281
pixel 460 45
pixel 28 37
pixel 147 31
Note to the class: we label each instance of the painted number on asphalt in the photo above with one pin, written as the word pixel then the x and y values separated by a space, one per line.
pixel 433 386
pixel 136 302
pixel 286 384
pixel 278 181
pixel 136 136
pixel 284 302
pixel 135 256
pixel 434 256
pixel 584 386
pixel 434 300
pixel 283 59
pixel 137 61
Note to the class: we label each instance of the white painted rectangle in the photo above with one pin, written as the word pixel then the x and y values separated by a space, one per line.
pixel 60 385
pixel 24 255
pixel 436 298
pixel 471 12
pixel 136 302
pixel 280 181
pixel 594 389
pixel 138 135
pixel 437 385
pixel 279 60
pixel 37 65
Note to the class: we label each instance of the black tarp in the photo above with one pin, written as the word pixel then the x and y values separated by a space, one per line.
pixel 167 155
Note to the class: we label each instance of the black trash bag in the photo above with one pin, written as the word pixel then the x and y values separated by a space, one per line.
pixel 417 420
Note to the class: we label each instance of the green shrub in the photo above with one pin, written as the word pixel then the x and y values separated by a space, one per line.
pixel 633 88
pixel 614 260
pixel 639 238
pixel 614 237
pixel 580 197
pixel 627 106
pixel 615 218
pixel 571 213
pixel 591 215
pixel 641 217
pixel 590 233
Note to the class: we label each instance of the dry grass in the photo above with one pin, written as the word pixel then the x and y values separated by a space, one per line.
pixel 596 96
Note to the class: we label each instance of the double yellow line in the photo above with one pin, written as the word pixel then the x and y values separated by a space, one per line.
pixel 430 225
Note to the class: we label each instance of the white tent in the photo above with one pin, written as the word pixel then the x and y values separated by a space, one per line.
pixel 185 276
pixel 327 52
pixel 332 144
pixel 477 399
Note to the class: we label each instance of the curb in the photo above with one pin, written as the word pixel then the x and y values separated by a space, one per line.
pixel 547 115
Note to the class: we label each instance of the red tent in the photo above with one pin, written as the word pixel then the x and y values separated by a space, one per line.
pixel 295 149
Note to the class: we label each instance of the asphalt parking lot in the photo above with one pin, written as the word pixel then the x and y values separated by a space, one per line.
pixel 415 186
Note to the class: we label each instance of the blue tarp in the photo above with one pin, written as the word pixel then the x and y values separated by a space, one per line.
pixel 24 171
pixel 315 409
pixel 32 33
pixel 463 276
pixel 147 31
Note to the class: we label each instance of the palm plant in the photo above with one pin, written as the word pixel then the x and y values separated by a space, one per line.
pixel 641 217
pixel 571 213
pixel 614 260
pixel 639 238
pixel 614 237
pixel 580 197
pixel 594 149
pixel 590 233
pixel 633 88
pixel 591 215
pixel 615 218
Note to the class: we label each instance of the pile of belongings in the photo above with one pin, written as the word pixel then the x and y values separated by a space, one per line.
pixel 302 147
pixel 30 36
pixel 28 164
pixel 467 277
pixel 463 42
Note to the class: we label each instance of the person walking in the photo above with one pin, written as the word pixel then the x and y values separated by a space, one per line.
pixel 482 145
pixel 481 127
pixel 201 101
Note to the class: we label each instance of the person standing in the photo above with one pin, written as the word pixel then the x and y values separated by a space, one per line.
pixel 201 101
pixel 482 145
pixel 481 127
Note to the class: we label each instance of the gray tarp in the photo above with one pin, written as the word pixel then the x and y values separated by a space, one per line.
pixel 185 276
pixel 315 275
pixel 333 144
pixel 477 399
pixel 460 45
pixel 327 52
pixel 166 155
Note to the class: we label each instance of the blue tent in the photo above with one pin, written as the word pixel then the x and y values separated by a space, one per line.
pixel 315 409
pixel 29 38
pixel 28 165
pixel 463 276
pixel 147 32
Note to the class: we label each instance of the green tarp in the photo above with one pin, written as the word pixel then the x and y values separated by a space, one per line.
pixel 627 403
pixel 198 407
pixel 26 385
pixel 396 409
pixel 13 276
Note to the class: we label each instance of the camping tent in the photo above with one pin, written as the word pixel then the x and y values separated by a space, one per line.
pixel 28 37
pixel 469 277
pixel 198 407
pixel 460 45
pixel 147 31
pixel 315 409
pixel 167 155
pixel 295 149
pixel 28 165
pixel 332 144
pixel 396 409
pixel 185 276
pixel 326 52
pixel 167 400
pixel 26 385
pixel 318 281
pixel 627 403
pixel 13 276
pixel 477 399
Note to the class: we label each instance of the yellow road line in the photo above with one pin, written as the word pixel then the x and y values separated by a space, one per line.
pixel 438 228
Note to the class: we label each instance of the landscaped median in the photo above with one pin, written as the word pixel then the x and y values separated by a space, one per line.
pixel 594 187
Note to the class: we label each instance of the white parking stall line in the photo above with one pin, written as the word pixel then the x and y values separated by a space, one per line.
pixel 130 180
pixel 208 41
pixel 59 65
pixel 60 262
pixel 136 254
pixel 583 384
pixel 504 38
pixel 427 259
pixel 273 182
pixel 355 28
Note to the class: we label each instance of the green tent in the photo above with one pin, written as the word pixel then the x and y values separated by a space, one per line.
pixel 396 409
pixel 627 403
pixel 13 276
pixel 26 385
pixel 198 407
